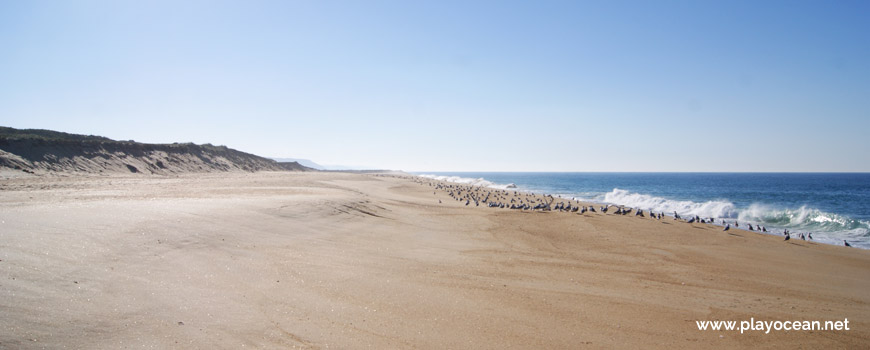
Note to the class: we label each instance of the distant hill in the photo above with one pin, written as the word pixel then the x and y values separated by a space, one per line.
pixel 326 167
pixel 303 162
pixel 46 151
pixel 294 166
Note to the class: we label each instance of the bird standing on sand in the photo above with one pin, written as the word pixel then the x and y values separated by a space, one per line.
pixel 846 243
pixel 787 236
pixel 727 227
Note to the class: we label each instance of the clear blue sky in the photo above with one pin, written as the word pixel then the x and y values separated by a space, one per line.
pixel 455 85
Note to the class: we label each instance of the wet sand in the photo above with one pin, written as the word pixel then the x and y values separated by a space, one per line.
pixel 336 260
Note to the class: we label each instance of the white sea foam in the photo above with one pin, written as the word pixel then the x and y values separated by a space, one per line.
pixel 826 227
pixel 469 181
pixel 714 209
pixel 802 217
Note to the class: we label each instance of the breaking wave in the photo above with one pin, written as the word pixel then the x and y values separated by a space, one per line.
pixel 469 181
pixel 826 227
pixel 715 209
pixel 803 218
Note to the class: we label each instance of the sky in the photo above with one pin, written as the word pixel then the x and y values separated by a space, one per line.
pixel 455 85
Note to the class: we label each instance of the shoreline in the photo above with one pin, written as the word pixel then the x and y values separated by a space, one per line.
pixel 660 200
pixel 316 260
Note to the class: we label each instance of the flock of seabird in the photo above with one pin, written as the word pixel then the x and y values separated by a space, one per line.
pixel 528 201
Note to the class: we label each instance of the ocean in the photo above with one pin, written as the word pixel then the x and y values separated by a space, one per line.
pixel 832 206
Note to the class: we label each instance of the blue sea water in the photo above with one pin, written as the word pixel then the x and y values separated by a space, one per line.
pixel 833 206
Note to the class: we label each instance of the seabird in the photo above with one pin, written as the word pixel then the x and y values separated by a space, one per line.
pixel 846 243
pixel 727 227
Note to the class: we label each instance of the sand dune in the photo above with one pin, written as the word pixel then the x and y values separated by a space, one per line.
pixel 45 151
pixel 329 260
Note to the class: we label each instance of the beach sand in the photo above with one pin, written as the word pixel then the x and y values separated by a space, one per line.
pixel 339 260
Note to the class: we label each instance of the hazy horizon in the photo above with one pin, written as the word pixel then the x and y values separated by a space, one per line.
pixel 626 86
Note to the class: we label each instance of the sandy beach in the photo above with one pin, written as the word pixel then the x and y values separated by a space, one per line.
pixel 352 261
